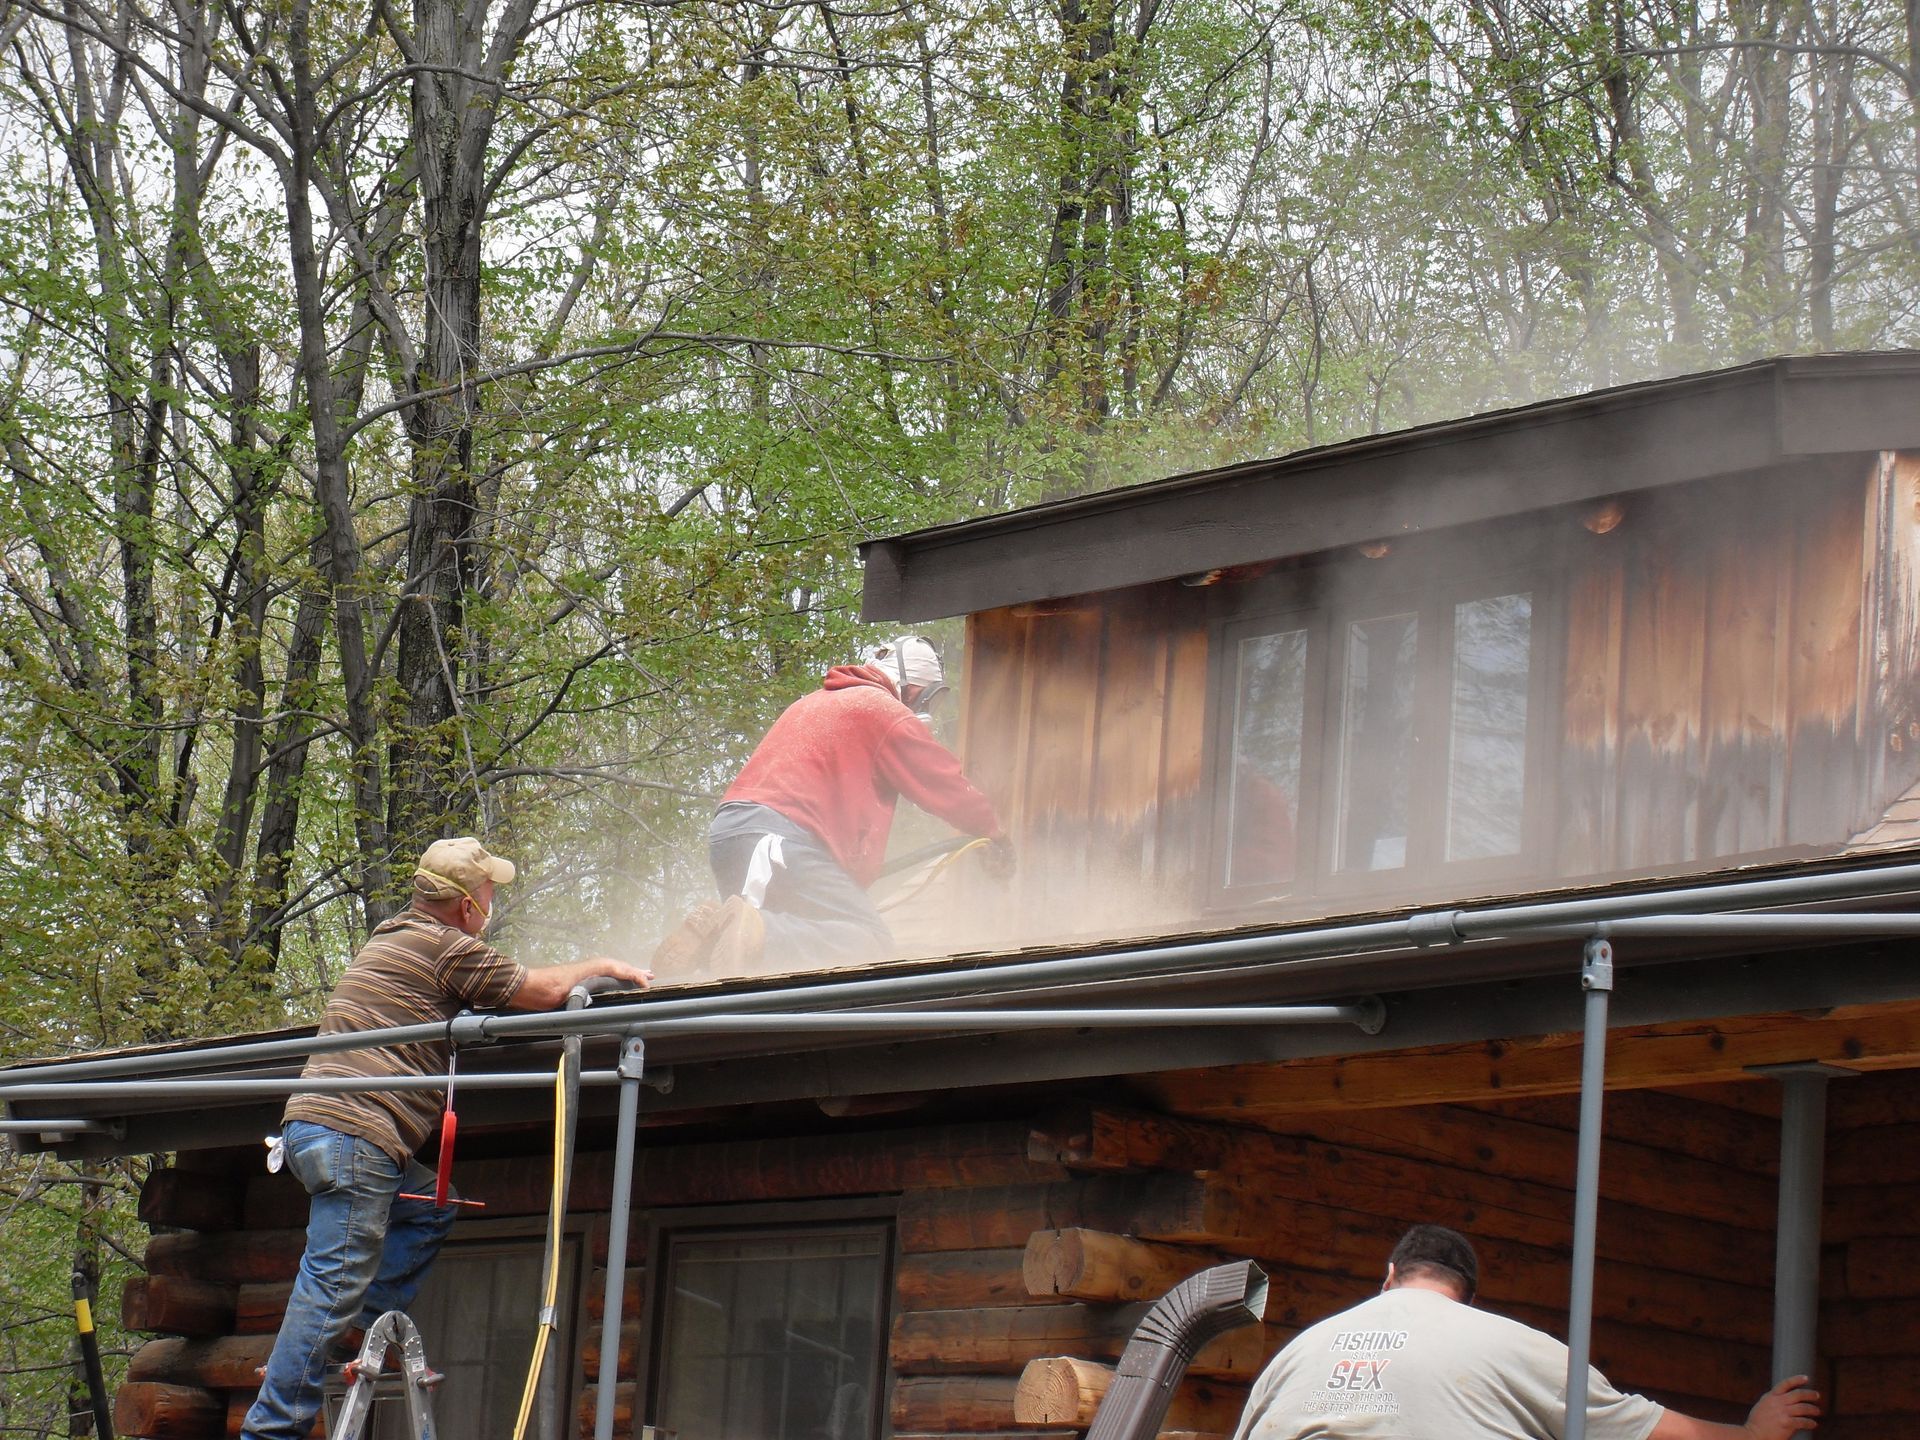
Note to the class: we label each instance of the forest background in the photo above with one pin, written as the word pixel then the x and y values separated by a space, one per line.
pixel 461 417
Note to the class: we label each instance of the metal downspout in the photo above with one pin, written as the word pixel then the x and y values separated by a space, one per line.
pixel 633 1066
pixel 1596 977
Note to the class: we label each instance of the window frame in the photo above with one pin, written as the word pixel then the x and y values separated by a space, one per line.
pixel 768 1218
pixel 504 1232
pixel 1327 601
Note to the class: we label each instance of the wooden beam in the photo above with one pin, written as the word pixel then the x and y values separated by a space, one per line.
pixel 944 1341
pixel 246 1256
pixel 1082 1264
pixel 961 1280
pixel 628 1365
pixel 260 1306
pixel 229 1363
pixel 1066 1390
pixel 174 1305
pixel 188 1201
pixel 944 1403
pixel 1640 1057
pixel 146 1410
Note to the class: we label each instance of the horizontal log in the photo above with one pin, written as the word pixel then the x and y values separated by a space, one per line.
pixel 148 1410
pixel 1887 1267
pixel 229 1363
pixel 1666 1121
pixel 176 1305
pixel 241 1401
pixel 1457 1184
pixel 629 1357
pixel 1881 1155
pixel 259 1307
pixel 189 1200
pixel 1003 1340
pixel 631 1294
pixel 1871 1213
pixel 1083 1264
pixel 1485 1143
pixel 1640 1057
pixel 623 1397
pixel 942 1403
pixel 1066 1390
pixel 1870 1327
pixel 960 1280
pixel 246 1256
pixel 1001 1217
pixel 1873 1387
pixel 1890 1097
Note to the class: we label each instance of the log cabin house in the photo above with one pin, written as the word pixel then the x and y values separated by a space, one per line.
pixel 1306 729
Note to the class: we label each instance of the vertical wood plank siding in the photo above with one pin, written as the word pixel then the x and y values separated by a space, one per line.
pixel 1737 668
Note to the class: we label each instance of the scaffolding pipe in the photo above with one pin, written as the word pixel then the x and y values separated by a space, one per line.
pixel 633 1064
pixel 1596 977
pixel 1796 1270
pixel 1369 1015
pixel 1546 919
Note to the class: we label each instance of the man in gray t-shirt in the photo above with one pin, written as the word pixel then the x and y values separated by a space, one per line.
pixel 1418 1362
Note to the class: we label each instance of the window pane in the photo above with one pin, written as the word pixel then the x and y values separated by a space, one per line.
pixel 1269 711
pixel 1377 743
pixel 476 1315
pixel 1486 779
pixel 772 1337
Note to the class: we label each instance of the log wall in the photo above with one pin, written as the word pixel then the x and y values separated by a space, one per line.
pixel 1027 1247
pixel 1870 1302
pixel 1732 672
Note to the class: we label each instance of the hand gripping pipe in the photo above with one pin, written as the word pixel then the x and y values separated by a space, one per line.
pixel 1173 1332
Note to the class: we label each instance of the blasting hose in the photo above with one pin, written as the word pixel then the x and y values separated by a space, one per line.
pixel 90 1356
pixel 1172 1333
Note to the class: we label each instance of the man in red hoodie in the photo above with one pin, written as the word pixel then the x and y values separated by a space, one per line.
pixel 803 831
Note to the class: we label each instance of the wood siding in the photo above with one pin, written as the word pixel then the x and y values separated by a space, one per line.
pixel 1732 673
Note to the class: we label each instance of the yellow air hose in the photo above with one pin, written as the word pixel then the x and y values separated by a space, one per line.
pixel 932 875
pixel 556 1215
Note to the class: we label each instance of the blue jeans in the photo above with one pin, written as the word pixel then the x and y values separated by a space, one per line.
pixel 367 1252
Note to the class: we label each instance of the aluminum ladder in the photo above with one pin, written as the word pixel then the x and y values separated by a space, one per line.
pixel 364 1371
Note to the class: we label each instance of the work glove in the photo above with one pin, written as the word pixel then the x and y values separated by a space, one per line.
pixel 998 858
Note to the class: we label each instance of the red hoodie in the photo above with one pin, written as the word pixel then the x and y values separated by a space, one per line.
pixel 837 759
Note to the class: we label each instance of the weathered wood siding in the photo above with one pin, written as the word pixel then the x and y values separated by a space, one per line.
pixel 1732 673
pixel 1027 1245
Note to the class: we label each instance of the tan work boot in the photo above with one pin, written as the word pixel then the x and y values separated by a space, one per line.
pixel 678 956
pixel 740 940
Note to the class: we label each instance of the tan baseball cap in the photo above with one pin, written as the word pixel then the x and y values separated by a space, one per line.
pixel 458 867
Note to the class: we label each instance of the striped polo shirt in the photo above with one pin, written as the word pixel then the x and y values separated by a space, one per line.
pixel 414 970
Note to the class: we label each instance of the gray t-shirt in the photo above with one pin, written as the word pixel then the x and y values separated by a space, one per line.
pixel 1413 1364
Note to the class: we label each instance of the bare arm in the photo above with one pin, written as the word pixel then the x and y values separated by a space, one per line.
pixel 1786 1409
pixel 546 988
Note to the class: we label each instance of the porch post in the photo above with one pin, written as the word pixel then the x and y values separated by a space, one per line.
pixel 1596 978
pixel 633 1064
pixel 1796 1263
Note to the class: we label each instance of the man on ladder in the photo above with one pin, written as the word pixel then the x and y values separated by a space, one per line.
pixel 373 1228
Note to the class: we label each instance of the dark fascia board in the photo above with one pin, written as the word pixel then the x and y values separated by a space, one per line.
pixel 1610 442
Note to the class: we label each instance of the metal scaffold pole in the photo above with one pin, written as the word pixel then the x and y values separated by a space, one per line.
pixel 1596 977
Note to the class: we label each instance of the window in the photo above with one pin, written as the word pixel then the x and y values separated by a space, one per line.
pixel 1375 739
pixel 1270 712
pixel 1487 766
pixel 476 1315
pixel 773 1334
